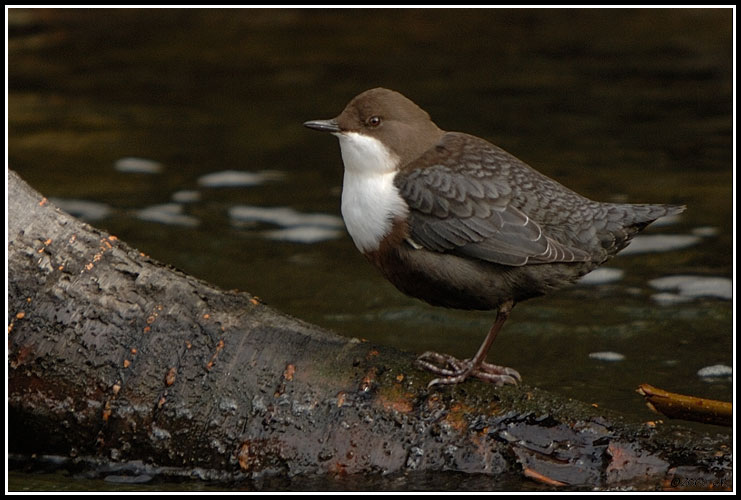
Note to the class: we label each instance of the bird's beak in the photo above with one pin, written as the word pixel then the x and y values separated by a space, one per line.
pixel 323 125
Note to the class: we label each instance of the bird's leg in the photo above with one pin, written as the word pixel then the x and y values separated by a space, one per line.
pixel 454 371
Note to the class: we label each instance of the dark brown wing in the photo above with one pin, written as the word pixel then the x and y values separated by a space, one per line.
pixel 465 203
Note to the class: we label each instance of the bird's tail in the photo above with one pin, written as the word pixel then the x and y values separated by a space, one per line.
pixel 640 216
pixel 629 219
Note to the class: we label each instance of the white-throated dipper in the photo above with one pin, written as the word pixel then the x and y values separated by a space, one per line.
pixel 458 222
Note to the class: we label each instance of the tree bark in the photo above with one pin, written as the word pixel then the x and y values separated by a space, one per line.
pixel 115 358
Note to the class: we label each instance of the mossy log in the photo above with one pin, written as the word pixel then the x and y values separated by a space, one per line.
pixel 115 358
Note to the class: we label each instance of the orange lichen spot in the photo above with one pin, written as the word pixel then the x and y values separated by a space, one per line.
pixel 400 405
pixel 106 411
pixel 370 378
pixel 126 363
pixel 206 316
pixel 147 329
pixel 243 456
pixel 48 242
pixel 595 405
pixel 40 250
pixel 288 372
pixel 170 377
pixel 341 399
pixel 28 299
pixel 112 238
pixel 456 417
pixel 372 353
pixel 97 257
pixel 161 402
pixel 367 383
pixel 10 327
pixel 116 387
pixel 89 266
pixel 107 245
pixel 23 354
pixel 43 202
pixel 255 301
pixel 133 350
pixel 188 345
pixel 219 347
pixel 151 319
pixel 338 469
pixel 60 268
pixel 400 377
pixel 72 239
pixel 20 315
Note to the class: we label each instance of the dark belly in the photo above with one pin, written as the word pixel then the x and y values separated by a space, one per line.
pixel 451 281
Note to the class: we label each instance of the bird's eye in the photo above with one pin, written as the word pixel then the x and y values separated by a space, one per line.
pixel 374 121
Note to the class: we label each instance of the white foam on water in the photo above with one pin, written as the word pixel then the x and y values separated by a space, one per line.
pixel 168 213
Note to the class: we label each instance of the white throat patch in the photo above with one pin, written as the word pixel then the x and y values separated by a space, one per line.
pixel 370 201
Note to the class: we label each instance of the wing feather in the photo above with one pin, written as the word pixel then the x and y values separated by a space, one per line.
pixel 469 208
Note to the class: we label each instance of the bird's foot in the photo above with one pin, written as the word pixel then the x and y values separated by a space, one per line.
pixel 454 371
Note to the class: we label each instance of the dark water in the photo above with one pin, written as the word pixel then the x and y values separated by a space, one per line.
pixel 619 105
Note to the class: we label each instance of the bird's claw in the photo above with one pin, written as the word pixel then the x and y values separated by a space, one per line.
pixel 454 371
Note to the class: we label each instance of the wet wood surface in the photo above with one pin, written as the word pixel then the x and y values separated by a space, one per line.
pixel 115 358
